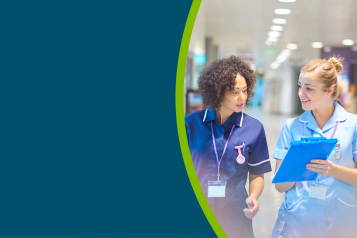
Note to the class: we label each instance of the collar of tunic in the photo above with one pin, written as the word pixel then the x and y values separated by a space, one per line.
pixel 235 119
pixel 340 114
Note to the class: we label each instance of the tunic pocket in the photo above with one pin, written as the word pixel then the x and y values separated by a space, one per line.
pixel 346 209
pixel 288 223
pixel 350 205
pixel 347 217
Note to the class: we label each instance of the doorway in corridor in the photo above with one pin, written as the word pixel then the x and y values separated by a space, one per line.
pixel 295 90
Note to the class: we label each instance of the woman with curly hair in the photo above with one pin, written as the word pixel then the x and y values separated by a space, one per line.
pixel 226 144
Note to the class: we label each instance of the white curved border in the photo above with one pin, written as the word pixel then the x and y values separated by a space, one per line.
pixel 259 162
pixel 347 203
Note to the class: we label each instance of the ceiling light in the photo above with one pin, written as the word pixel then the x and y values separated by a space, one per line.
pixel 347 42
pixel 282 11
pixel 275 65
pixel 317 45
pixel 272 39
pixel 279 21
pixel 273 34
pixel 281 58
pixel 287 0
pixel 276 28
pixel 327 49
pixel 285 52
pixel 292 46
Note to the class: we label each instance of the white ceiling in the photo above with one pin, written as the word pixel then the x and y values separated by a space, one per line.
pixel 241 26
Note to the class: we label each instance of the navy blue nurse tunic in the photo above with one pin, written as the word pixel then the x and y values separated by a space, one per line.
pixel 248 132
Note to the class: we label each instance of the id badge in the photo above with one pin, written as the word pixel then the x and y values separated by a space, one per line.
pixel 217 188
pixel 318 191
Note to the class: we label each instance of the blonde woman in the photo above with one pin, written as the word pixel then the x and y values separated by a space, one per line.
pixel 332 211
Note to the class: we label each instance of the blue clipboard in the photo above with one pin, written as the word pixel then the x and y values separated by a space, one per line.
pixel 293 166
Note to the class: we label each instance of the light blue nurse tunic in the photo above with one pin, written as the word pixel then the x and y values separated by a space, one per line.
pixel 336 216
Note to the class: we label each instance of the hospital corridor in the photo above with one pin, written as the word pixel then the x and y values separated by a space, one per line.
pixel 285 48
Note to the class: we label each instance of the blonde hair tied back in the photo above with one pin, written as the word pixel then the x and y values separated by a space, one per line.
pixel 337 63
pixel 326 71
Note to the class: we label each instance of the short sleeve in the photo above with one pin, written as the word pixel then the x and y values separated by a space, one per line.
pixel 283 144
pixel 259 162
pixel 354 146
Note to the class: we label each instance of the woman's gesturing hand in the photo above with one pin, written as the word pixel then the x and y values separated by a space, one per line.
pixel 322 167
pixel 253 207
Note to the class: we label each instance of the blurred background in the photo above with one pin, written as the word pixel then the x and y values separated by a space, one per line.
pixel 277 38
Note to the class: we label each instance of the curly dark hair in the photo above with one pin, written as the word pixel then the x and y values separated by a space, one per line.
pixel 219 78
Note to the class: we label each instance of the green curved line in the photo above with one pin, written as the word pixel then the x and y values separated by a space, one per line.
pixel 180 117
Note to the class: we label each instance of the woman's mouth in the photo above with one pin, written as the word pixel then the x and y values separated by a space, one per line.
pixel 304 101
pixel 240 105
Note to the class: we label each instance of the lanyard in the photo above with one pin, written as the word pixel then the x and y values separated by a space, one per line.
pixel 333 133
pixel 215 149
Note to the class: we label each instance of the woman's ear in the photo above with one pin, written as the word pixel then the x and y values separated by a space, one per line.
pixel 331 90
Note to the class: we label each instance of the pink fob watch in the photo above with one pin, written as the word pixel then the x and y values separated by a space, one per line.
pixel 240 159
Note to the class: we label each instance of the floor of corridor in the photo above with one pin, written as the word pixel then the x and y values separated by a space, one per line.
pixel 270 200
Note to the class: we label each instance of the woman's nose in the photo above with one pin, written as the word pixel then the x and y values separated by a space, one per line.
pixel 242 96
pixel 300 92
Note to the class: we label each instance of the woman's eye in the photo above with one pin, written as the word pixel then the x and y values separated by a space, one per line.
pixel 309 89
pixel 299 86
pixel 237 92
